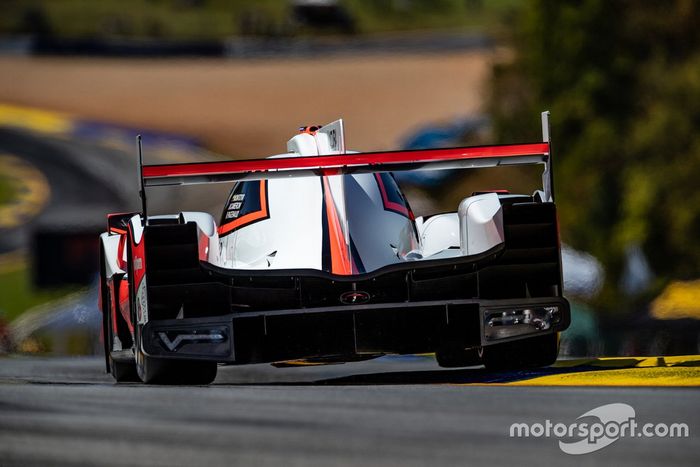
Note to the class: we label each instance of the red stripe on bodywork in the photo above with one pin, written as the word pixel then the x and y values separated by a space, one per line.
pixel 340 259
pixel 390 205
pixel 120 253
pixel 124 306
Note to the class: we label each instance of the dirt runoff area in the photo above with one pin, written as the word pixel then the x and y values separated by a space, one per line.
pixel 251 107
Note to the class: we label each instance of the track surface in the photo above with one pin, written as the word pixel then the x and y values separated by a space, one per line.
pixel 67 412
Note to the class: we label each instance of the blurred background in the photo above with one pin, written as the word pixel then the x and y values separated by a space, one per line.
pixel 211 79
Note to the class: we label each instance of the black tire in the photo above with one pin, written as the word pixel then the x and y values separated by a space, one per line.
pixel 534 352
pixel 153 370
pixel 123 370
pixel 452 356
pixel 121 367
pixel 105 312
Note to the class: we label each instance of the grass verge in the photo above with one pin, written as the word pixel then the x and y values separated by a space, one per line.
pixel 216 19
pixel 7 192
pixel 17 294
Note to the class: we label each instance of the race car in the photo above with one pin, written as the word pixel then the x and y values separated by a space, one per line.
pixel 318 256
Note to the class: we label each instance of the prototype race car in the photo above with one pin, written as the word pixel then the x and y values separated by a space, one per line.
pixel 318 255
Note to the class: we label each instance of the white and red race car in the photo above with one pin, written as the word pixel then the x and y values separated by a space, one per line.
pixel 319 256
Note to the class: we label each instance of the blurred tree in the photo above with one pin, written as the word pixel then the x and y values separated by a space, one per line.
pixel 34 21
pixel 622 79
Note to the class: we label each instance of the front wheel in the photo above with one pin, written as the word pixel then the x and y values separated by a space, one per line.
pixel 533 352
pixel 152 370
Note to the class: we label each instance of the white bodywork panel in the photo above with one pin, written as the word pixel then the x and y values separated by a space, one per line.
pixel 137 227
pixel 110 244
pixel 208 236
pixel 382 237
pixel 289 238
pixel 480 223
pixel 438 233
pixel 205 221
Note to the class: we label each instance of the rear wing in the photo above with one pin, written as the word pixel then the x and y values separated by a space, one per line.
pixel 358 163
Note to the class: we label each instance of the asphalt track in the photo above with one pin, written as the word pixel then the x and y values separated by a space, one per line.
pixel 390 411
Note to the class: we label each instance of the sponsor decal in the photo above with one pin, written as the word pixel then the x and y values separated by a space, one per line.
pixel 354 297
pixel 333 138
pixel 142 303
pixel 172 344
pixel 247 204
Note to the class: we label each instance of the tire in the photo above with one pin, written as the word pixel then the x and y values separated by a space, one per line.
pixel 153 370
pixel 533 352
pixel 452 356
pixel 121 365
pixel 105 313
pixel 123 370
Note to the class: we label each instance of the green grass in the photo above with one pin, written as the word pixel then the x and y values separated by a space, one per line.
pixel 17 293
pixel 7 192
pixel 387 16
pixel 212 19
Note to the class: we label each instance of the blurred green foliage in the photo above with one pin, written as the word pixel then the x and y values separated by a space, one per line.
pixel 214 19
pixel 17 293
pixel 174 19
pixel 622 79
pixel 7 192
pixel 396 15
